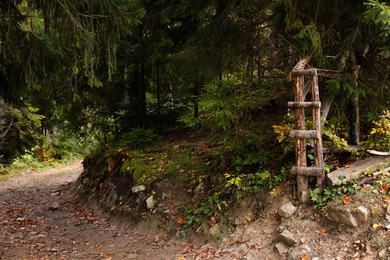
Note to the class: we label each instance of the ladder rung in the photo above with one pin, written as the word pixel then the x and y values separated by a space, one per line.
pixel 307 171
pixel 303 72
pixel 315 104
pixel 305 134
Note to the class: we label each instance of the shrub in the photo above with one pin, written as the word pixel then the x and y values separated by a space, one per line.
pixel 138 138
pixel 380 133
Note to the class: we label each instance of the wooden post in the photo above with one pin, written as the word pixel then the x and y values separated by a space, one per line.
pixel 302 181
pixel 318 153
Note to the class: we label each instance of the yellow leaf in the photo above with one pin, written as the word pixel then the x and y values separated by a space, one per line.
pixel 376 226
pixel 386 198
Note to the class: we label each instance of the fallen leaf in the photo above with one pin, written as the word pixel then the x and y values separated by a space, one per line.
pixel 346 201
pixel 304 257
pixel 373 209
pixel 181 220
pixel 376 226
pixel 384 188
pixel 386 198
pixel 321 231
pixel 304 240
pixel 182 171
pixel 98 247
pixel 254 232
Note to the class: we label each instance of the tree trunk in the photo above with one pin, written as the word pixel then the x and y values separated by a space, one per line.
pixel 158 86
pixel 355 118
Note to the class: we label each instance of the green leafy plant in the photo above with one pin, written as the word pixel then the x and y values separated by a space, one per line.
pixel 321 200
pixel 380 133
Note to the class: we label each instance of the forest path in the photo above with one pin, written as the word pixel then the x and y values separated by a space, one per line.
pixel 41 219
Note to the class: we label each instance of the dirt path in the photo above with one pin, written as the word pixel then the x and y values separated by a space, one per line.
pixel 40 219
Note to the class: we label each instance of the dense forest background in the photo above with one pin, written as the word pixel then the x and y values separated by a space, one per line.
pixel 78 73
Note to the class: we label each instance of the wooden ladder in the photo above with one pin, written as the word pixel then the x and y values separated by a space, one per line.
pixel 301 134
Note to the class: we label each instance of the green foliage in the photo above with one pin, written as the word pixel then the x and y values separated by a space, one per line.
pixel 378 13
pixel 321 200
pixel 28 161
pixel 310 40
pixel 138 138
pixel 227 103
pixel 380 133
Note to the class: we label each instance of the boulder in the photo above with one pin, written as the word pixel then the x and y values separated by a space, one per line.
pixel 342 214
pixel 151 202
pixel 300 252
pixel 287 238
pixel 287 210
pixel 362 214
pixel 282 248
pixel 137 189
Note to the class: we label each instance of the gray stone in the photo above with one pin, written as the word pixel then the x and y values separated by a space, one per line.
pixel 85 181
pixel 215 230
pixel 362 215
pixel 388 208
pixel 287 238
pixel 20 219
pixel 287 210
pixel 55 206
pixel 282 249
pixel 342 214
pixel 300 252
pixel 305 197
pixel 151 202
pixel 355 170
pixel 111 198
pixel 382 253
pixel 137 189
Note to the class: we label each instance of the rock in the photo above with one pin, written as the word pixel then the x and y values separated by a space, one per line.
pixel 20 219
pixel 388 208
pixel 382 253
pixel 137 189
pixel 282 249
pixel 85 181
pixel 215 230
pixel 55 206
pixel 300 252
pixel 287 210
pixel 287 238
pixel 362 215
pixel 355 170
pixel 111 198
pixel 343 215
pixel 305 197
pixel 151 202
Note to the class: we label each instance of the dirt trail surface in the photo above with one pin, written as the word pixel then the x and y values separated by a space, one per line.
pixel 40 219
